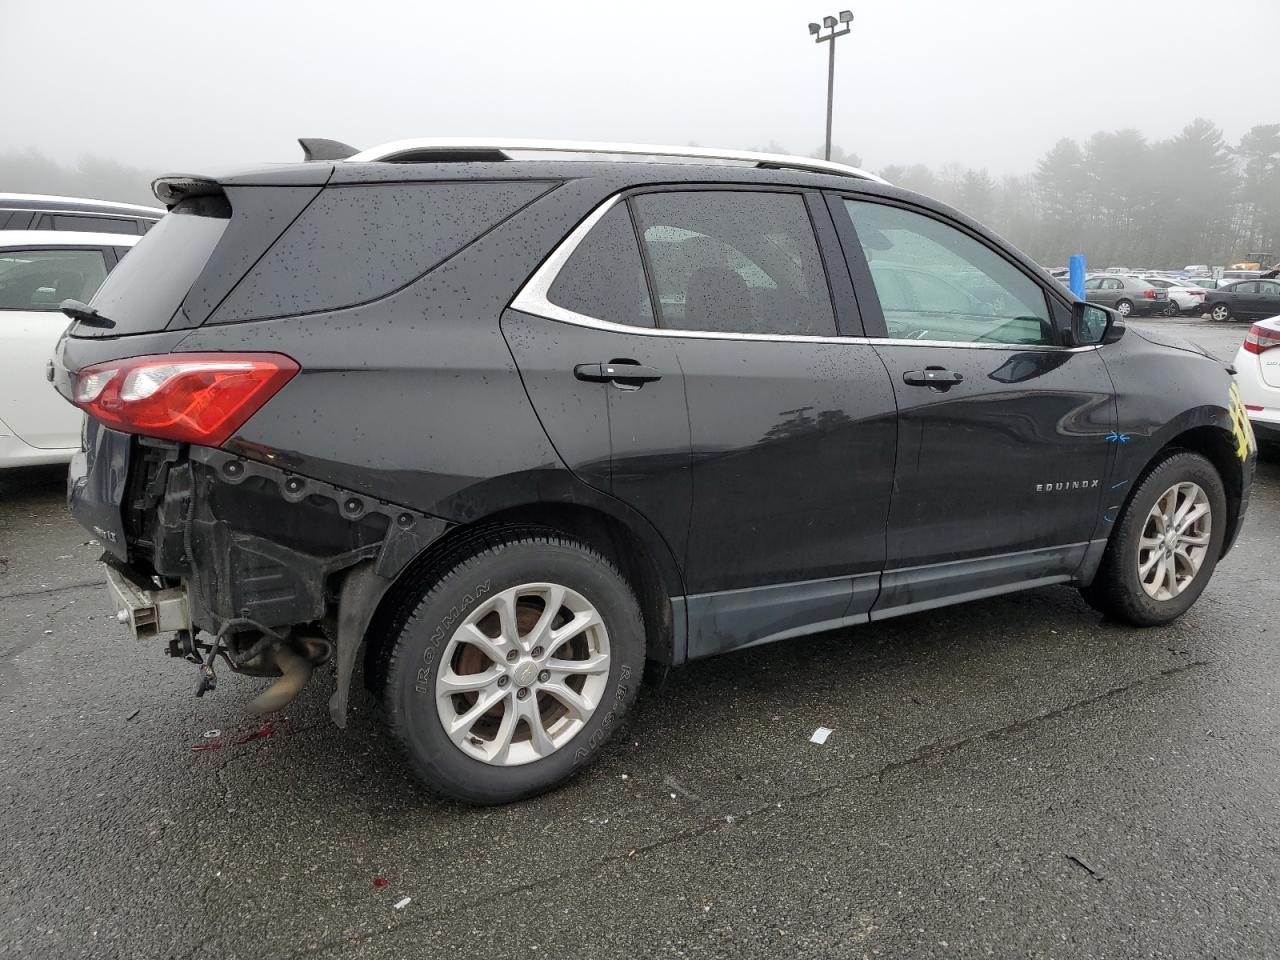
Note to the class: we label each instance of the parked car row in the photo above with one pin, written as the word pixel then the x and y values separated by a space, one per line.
pixel 51 249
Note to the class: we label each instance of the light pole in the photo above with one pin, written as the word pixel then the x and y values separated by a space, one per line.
pixel 843 20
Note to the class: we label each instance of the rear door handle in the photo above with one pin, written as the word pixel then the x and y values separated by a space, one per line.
pixel 615 373
pixel 932 377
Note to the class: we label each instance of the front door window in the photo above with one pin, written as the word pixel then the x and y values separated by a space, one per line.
pixel 936 283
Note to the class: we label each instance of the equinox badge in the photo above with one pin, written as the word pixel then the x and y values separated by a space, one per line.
pixel 1066 485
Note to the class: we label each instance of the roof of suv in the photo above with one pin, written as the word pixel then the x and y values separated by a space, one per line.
pixel 507 159
pixel 37 201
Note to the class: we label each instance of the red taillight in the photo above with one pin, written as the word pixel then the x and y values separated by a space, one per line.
pixel 1149 294
pixel 1197 292
pixel 194 397
pixel 1260 339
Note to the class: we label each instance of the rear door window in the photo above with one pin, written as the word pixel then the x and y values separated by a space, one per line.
pixel 604 277
pixel 42 279
pixel 735 261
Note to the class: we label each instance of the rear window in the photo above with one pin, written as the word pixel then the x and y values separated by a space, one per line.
pixel 145 290
pixel 357 243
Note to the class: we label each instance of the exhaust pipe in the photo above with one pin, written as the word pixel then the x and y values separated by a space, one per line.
pixel 295 671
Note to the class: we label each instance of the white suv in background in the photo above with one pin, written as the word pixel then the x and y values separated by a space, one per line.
pixel 38 270
pixel 1258 378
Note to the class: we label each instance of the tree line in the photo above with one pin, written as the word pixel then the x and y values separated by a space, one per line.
pixel 1118 198
pixel 1123 200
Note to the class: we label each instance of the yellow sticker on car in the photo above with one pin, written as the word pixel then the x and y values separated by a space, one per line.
pixel 1246 443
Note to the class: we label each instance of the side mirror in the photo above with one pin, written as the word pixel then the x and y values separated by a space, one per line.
pixel 1092 324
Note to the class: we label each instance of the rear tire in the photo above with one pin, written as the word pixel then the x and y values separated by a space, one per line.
pixel 1220 313
pixel 1138 543
pixel 1124 307
pixel 558 689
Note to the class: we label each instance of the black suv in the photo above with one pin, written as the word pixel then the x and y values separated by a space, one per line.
pixel 502 430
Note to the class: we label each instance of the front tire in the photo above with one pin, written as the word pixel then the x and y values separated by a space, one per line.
pixel 515 668
pixel 1165 545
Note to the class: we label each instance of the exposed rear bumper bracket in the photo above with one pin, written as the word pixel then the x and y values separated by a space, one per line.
pixel 144 611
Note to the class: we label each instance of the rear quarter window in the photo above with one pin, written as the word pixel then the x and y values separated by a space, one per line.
pixel 354 244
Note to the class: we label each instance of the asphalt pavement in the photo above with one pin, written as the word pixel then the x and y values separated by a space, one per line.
pixel 1014 777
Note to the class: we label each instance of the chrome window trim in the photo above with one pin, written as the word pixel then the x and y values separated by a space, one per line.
pixel 532 298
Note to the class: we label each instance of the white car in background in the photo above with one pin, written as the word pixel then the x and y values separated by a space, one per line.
pixel 1188 296
pixel 38 270
pixel 1258 378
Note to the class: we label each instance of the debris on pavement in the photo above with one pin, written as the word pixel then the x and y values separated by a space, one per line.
pixel 820 735
pixel 671 783
pixel 263 732
pixel 380 882
pixel 403 902
pixel 1079 861
pixel 135 712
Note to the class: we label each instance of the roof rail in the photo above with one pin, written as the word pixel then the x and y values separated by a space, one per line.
pixel 429 149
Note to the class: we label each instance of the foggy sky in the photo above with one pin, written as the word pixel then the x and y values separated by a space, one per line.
pixel 184 85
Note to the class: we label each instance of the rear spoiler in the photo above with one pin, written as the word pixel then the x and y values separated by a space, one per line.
pixel 169 190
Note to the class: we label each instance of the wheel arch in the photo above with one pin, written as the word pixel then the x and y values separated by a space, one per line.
pixel 1219 446
pixel 639 553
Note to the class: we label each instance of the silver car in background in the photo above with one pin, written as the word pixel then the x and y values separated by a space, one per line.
pixel 1126 295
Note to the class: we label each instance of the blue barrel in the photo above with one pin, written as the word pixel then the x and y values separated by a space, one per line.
pixel 1076 274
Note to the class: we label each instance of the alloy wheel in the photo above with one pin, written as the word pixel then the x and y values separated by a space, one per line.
pixel 1124 308
pixel 1174 541
pixel 1220 313
pixel 523 674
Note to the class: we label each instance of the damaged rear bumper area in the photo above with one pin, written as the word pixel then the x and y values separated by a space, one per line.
pixel 239 560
